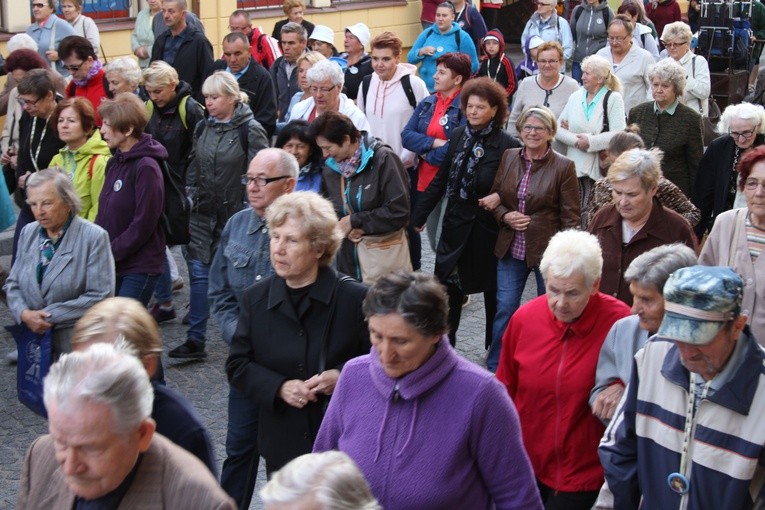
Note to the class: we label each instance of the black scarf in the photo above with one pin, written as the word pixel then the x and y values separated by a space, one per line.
pixel 462 174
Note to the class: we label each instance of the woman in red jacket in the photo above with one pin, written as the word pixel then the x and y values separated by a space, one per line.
pixel 88 80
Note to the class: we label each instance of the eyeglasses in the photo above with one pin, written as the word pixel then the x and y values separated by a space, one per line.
pixel 27 102
pixel 73 69
pixel 753 184
pixel 238 29
pixel 262 181
pixel 743 135
pixel 673 45
pixel 323 90
pixel 616 39
pixel 547 62
pixel 38 6
pixel 535 129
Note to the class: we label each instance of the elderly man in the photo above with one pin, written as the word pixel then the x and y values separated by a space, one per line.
pixel 263 49
pixel 102 451
pixel 253 79
pixel 184 47
pixel 549 353
pixel 326 82
pixel 635 222
pixel 241 260
pixel 293 39
pixel 688 432
pixel 645 276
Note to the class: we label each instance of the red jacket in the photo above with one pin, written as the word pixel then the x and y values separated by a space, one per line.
pixel 548 368
pixel 662 14
pixel 93 91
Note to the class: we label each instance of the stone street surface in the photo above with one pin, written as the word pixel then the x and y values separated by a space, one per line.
pixel 203 382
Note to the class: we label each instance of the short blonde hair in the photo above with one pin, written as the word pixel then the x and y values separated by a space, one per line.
pixel 317 217
pixel 642 163
pixel 602 68
pixel 570 252
pixel 160 74
pixel 291 4
pixel 224 84
pixel 311 57
pixel 677 31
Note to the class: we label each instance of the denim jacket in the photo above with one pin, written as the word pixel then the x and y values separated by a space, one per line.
pixel 414 137
pixel 242 259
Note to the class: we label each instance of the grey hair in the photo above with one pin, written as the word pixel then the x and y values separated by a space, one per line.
pixel 224 84
pixel 21 42
pixel 642 163
pixel 103 375
pixel 417 297
pixel 743 111
pixel 678 30
pixel 181 3
pixel 324 70
pixel 127 68
pixel 62 183
pixel 331 478
pixel 53 4
pixel 654 266
pixel 294 28
pixel 602 68
pixel 668 70
pixel 570 252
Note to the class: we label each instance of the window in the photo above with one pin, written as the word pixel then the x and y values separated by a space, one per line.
pixel 101 10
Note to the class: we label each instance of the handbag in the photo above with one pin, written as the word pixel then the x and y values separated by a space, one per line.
pixel 380 254
pixel 35 356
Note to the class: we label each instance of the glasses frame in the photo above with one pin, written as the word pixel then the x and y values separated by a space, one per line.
pixel 743 135
pixel 25 102
pixel 751 184
pixel 74 69
pixel 261 182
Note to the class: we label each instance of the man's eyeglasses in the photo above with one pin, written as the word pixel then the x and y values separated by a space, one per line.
pixel 238 29
pixel 38 6
pixel 742 135
pixel 74 68
pixel 27 102
pixel 262 181
pixel 323 90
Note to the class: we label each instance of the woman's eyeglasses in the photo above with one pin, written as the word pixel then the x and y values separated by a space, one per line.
pixel 742 135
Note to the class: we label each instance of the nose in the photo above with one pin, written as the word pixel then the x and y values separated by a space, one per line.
pixel 70 462
pixel 385 351
pixel 636 309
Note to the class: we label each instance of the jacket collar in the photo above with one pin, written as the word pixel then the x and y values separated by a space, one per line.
pixel 256 223
pixel 656 225
pixel 321 290
pixel 583 326
pixel 368 146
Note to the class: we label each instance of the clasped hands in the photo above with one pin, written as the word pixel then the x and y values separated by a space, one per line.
pixel 298 393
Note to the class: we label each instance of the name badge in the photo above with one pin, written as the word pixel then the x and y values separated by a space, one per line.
pixel 440 49
pixel 117 185
pixel 353 70
pixel 443 120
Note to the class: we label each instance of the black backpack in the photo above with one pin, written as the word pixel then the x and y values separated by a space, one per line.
pixel 176 217
pixel 405 82
pixel 244 138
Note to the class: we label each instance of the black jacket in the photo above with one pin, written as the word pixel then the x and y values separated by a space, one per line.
pixel 353 80
pixel 193 60
pixel 48 143
pixel 256 83
pixel 275 343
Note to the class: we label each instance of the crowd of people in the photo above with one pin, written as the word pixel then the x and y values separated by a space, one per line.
pixel 297 181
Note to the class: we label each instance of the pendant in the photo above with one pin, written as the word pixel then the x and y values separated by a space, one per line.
pixel 478 152
pixel 678 483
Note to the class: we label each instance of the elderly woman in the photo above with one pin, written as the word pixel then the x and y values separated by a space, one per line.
pixel 294 10
pixel 428 130
pixel 646 276
pixel 734 239
pixel 125 323
pixel 82 25
pixel 319 480
pixel 667 193
pixel 403 390
pixel 88 78
pixel 669 125
pixel 142 37
pixel 549 354
pixel 288 357
pixel 325 80
pixel 224 145
pixel 123 75
pixel 294 138
pixel 48 30
pixel 537 195
pixel 629 61
pixel 643 33
pixel 64 266
pixel 716 189
pixel 304 62
pixel 445 36
pixel 589 28
pixel 589 120
pixel 465 261
pixel 132 200
pixel 367 184
pixel 550 88
pixel 85 154
pixel 635 222
pixel 676 38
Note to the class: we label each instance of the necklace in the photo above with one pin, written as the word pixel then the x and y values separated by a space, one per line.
pixel 678 481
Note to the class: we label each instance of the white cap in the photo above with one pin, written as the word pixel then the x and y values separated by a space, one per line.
pixel 361 31
pixel 535 41
pixel 323 33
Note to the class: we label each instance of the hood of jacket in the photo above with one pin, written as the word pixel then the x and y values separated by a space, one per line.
pixel 403 68
pixel 641 29
pixel 242 114
pixel 600 6
pixel 92 146
pixel 146 147
pixel 498 35
pixel 455 27
pixel 368 146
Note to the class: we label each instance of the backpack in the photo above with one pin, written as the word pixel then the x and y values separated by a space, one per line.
pixel 244 140
pixel 176 217
pixel 457 37
pixel 267 46
pixel 405 82
pixel 181 110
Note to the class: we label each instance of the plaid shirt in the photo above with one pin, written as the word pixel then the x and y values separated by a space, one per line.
pixel 518 249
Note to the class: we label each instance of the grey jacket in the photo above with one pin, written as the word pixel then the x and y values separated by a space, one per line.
pixel 214 176
pixel 80 275
pixel 590 28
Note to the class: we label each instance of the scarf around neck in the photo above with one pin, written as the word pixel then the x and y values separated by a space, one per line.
pixel 462 175
pixel 94 68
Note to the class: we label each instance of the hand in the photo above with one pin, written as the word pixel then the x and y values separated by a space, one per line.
pixel 564 124
pixel 419 229
pixel 438 143
pixel 296 393
pixel 606 401
pixel 5 158
pixel 427 51
pixel 36 320
pixel 23 180
pixel 582 142
pixel 324 382
pixel 489 202
pixel 141 52
pixel 345 225
pixel 517 221
pixel 355 235
pixel 52 55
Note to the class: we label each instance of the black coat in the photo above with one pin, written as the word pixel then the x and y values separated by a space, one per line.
pixel 275 343
pixel 469 232
pixel 193 60
pixel 257 84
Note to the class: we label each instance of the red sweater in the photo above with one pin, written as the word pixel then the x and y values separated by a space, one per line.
pixel 93 91
pixel 663 14
pixel 548 368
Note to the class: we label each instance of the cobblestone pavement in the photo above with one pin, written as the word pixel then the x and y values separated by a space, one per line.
pixel 204 383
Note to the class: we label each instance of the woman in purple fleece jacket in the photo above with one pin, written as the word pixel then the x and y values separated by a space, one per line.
pixel 133 197
pixel 429 429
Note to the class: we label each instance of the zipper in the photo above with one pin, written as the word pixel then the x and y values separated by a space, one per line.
pixel 558 381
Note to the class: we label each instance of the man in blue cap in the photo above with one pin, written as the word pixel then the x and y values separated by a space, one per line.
pixel 689 431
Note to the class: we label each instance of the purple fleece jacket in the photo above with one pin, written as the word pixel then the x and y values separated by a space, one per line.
pixel 443 436
pixel 130 206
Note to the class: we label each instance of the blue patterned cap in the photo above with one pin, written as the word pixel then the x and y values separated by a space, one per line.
pixel 698 301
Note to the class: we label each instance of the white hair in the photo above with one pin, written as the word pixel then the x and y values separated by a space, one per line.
pixel 743 111
pixel 101 375
pixel 324 70
pixel 21 42
pixel 570 252
pixel 127 68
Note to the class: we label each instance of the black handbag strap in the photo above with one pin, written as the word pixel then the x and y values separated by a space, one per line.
pixel 606 125
pixel 325 335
